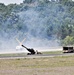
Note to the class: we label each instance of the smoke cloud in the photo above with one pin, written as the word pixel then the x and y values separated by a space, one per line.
pixel 32 23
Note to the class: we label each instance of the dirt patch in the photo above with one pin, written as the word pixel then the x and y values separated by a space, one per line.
pixel 39 71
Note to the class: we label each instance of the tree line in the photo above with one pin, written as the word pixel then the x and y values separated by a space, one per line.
pixel 43 18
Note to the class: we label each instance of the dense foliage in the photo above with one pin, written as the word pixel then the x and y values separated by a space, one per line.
pixel 42 19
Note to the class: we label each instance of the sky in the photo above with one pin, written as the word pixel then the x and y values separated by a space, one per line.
pixel 6 2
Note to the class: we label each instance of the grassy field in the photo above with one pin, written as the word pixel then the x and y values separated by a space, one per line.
pixel 22 54
pixel 60 65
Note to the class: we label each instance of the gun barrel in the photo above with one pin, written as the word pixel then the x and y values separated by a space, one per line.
pixel 24 46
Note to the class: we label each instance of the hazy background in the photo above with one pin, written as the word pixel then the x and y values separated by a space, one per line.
pixel 42 22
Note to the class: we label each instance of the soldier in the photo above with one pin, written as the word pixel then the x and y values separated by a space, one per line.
pixel 38 52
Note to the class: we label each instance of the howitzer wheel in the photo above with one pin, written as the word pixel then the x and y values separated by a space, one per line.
pixel 30 54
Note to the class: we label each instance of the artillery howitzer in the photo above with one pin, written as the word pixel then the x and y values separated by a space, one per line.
pixel 31 50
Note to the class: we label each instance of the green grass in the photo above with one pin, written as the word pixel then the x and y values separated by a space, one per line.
pixel 53 52
pixel 23 54
pixel 13 54
pixel 61 61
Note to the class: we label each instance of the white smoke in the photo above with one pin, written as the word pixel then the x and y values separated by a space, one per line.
pixel 34 28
